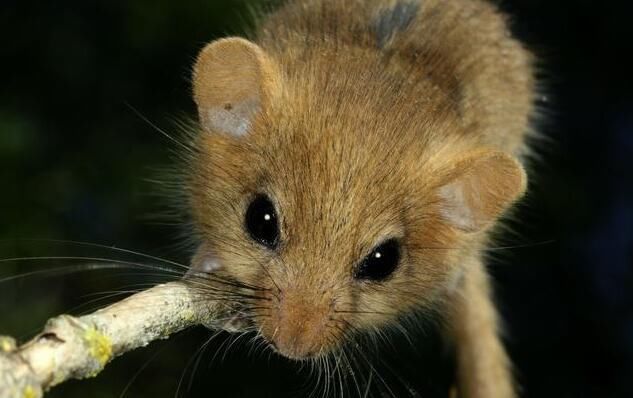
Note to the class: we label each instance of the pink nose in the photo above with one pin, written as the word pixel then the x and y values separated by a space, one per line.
pixel 299 326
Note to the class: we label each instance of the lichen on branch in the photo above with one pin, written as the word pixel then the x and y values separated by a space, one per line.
pixel 79 347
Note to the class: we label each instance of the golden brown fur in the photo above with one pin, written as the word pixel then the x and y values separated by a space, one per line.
pixel 362 121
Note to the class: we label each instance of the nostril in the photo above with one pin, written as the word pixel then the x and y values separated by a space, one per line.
pixel 298 326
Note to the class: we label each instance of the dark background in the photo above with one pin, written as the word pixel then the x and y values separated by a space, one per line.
pixel 77 163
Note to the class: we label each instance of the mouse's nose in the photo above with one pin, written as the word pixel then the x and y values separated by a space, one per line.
pixel 299 324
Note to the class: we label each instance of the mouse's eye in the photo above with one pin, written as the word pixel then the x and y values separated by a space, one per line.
pixel 381 262
pixel 261 221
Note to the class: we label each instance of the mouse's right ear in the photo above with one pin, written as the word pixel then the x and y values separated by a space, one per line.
pixel 232 80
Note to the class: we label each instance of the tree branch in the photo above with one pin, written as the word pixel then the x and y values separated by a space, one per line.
pixel 79 347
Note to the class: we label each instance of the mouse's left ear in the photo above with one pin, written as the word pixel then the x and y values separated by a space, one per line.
pixel 232 80
pixel 479 188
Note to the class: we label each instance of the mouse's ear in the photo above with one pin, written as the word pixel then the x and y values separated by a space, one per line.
pixel 232 79
pixel 480 188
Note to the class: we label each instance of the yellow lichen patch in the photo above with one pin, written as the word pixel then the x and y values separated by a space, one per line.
pixel 99 346
pixel 188 315
pixel 7 344
pixel 29 392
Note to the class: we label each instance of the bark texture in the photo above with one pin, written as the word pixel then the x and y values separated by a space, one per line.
pixel 79 347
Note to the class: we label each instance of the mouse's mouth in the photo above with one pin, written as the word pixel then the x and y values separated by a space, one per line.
pixel 293 355
pixel 231 318
pixel 223 292
pixel 236 320
pixel 229 314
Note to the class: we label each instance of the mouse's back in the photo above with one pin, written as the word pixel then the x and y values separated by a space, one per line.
pixel 459 55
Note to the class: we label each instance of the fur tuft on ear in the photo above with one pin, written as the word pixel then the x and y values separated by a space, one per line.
pixel 233 78
pixel 482 186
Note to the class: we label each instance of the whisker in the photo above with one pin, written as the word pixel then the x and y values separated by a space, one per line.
pixel 102 246
pixel 193 357
pixel 155 127
pixel 146 364
pixel 364 312
pixel 68 269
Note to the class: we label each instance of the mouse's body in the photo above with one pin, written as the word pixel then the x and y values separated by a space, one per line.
pixel 351 162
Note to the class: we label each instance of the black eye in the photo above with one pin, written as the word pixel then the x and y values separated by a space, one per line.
pixel 261 221
pixel 381 262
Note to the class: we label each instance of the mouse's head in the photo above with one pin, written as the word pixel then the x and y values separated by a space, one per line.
pixel 322 194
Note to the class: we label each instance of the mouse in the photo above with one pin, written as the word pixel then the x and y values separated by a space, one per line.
pixel 351 163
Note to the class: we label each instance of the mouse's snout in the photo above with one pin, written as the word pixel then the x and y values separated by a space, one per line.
pixel 300 325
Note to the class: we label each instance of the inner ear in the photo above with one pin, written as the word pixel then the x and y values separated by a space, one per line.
pixel 481 187
pixel 232 80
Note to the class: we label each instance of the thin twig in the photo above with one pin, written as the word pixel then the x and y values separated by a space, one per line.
pixel 79 347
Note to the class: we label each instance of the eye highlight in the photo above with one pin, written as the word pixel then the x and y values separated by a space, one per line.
pixel 261 222
pixel 381 262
